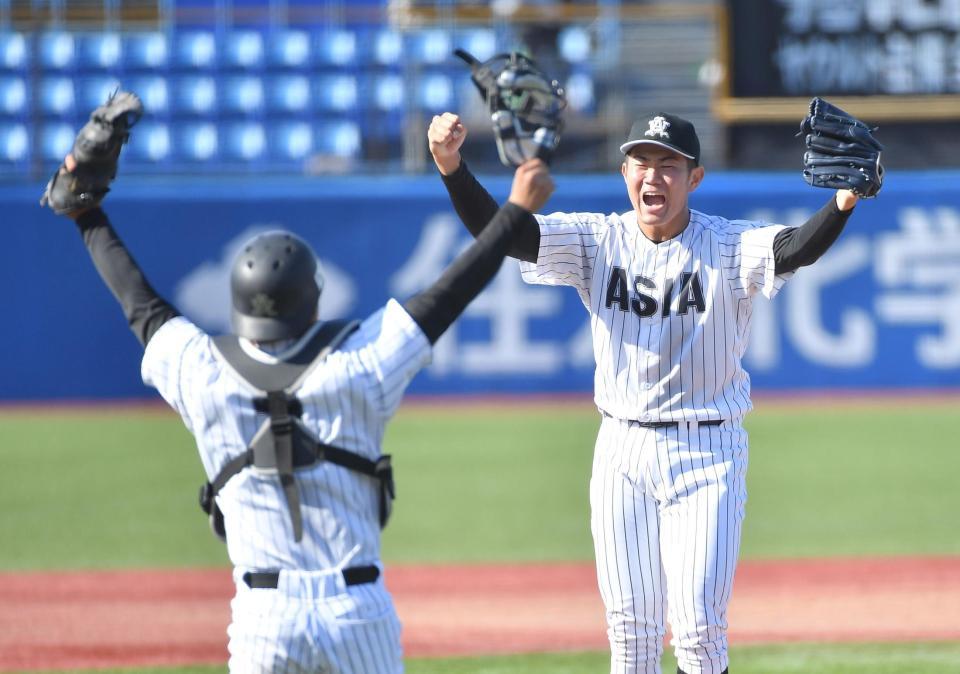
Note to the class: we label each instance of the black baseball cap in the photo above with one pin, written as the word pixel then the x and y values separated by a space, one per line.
pixel 665 130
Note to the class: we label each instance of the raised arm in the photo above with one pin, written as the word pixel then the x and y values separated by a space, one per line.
pixel 470 199
pixel 436 308
pixel 801 246
pixel 144 309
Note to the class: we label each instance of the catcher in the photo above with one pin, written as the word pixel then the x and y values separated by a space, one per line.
pixel 669 292
pixel 288 414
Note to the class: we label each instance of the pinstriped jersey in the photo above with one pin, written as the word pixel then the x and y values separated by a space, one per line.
pixel 670 320
pixel 347 401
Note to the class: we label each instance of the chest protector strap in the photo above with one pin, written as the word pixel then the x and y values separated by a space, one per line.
pixel 282 443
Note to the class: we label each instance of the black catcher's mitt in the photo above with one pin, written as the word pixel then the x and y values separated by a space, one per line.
pixel 841 151
pixel 96 151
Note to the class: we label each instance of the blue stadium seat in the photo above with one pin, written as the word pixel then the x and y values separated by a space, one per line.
pixel 14 51
pixel 431 46
pixel 290 49
pixel 154 93
pixel 196 49
pixel 387 47
pixel 151 143
pixel 435 92
pixel 197 142
pixel 99 51
pixel 388 92
pixel 481 42
pixel 14 143
pixel 339 138
pixel 14 96
pixel 336 93
pixel 56 140
pixel 95 91
pixel 242 95
pixel 291 141
pixel 245 141
pixel 57 96
pixel 57 50
pixel 581 95
pixel 335 47
pixel 289 93
pixel 145 51
pixel 196 95
pixel 573 43
pixel 243 49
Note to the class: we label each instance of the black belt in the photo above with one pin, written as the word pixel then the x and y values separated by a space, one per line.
pixel 268 580
pixel 674 424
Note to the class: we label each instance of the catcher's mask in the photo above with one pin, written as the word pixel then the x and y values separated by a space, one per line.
pixel 524 106
pixel 274 287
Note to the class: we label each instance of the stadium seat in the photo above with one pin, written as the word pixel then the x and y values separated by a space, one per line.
pixel 245 141
pixel 431 46
pixel 153 92
pixel 196 95
pixel 580 92
pixel 573 43
pixel 151 142
pixel 196 50
pixel 481 42
pixel 57 50
pixel 56 140
pixel 14 99
pixel 57 96
pixel 336 93
pixel 243 49
pixel 335 47
pixel 242 95
pixel 435 93
pixel 387 47
pixel 289 93
pixel 290 49
pixel 14 51
pixel 94 91
pixel 339 138
pixel 14 143
pixel 99 51
pixel 291 141
pixel 197 142
pixel 145 51
pixel 388 92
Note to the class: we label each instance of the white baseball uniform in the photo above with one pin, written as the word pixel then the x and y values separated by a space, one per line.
pixel 313 622
pixel 670 323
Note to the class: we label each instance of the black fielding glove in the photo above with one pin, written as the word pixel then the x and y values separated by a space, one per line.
pixel 842 153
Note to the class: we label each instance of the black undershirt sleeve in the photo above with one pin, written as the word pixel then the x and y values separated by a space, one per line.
pixel 800 246
pixel 436 308
pixel 476 208
pixel 144 309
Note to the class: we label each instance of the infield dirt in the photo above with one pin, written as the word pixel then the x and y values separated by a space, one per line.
pixel 72 620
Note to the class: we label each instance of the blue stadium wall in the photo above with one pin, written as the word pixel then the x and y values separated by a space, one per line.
pixel 880 310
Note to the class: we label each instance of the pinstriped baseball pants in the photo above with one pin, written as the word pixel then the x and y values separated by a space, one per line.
pixel 666 512
pixel 314 623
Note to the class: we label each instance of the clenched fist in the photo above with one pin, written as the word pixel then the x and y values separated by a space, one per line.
pixel 532 185
pixel 445 137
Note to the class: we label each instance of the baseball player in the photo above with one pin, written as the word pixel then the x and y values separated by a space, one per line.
pixel 288 415
pixel 669 293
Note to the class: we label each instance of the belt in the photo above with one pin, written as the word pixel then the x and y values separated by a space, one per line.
pixel 268 580
pixel 674 424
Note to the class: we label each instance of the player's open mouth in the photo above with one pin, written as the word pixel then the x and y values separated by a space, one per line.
pixel 653 200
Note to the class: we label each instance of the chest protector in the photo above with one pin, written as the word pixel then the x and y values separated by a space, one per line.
pixel 282 443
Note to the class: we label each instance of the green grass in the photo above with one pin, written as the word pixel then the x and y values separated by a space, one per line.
pixel 921 658
pixel 119 489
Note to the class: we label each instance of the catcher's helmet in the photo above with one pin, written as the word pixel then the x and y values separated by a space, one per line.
pixel 274 287
pixel 524 104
